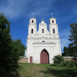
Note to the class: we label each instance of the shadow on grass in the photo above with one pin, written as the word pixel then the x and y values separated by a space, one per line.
pixel 9 73
pixel 53 64
pixel 61 73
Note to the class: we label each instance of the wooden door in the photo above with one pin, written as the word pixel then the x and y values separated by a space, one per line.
pixel 30 59
pixel 44 57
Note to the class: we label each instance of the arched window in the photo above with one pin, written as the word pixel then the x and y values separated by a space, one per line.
pixel 32 21
pixel 53 30
pixel 52 21
pixel 32 31
pixel 42 30
pixel 43 41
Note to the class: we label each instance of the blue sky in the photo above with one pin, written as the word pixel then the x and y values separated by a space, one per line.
pixel 18 12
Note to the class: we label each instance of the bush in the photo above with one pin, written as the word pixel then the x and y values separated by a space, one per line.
pixel 69 64
pixel 76 63
pixel 58 59
pixel 65 63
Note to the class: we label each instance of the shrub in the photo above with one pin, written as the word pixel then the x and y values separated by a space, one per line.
pixel 76 63
pixel 65 63
pixel 58 59
pixel 69 64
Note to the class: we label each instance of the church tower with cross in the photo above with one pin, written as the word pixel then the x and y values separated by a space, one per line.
pixel 42 45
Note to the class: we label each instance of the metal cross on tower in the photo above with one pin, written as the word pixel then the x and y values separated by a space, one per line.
pixel 52 14
pixel 42 19
pixel 33 14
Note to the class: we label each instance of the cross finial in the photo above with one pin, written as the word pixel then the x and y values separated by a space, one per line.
pixel 33 14
pixel 42 19
pixel 52 14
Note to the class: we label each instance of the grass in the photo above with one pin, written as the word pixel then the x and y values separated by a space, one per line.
pixel 42 70
pixel 45 70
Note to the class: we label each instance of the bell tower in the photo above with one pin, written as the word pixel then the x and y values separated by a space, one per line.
pixel 53 27
pixel 32 26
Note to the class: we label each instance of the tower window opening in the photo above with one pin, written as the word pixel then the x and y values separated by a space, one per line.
pixel 32 31
pixel 53 30
pixel 43 41
pixel 52 21
pixel 42 30
pixel 32 21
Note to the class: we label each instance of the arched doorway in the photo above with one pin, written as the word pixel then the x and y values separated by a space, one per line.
pixel 44 57
pixel 30 59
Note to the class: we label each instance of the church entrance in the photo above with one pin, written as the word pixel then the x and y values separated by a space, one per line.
pixel 30 59
pixel 44 57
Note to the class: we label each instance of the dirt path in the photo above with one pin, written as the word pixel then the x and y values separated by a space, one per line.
pixel 34 71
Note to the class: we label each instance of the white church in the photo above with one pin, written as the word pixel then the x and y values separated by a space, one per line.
pixel 42 45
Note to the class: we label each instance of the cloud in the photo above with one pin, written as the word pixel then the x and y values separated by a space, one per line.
pixel 74 9
pixel 64 35
pixel 65 32
pixel 40 8
pixel 18 8
pixel 64 42
pixel 14 8
pixel 21 8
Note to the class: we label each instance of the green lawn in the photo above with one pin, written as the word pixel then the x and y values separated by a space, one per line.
pixel 45 70
pixel 42 70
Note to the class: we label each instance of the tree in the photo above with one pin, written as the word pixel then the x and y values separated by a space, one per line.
pixel 20 46
pixel 18 49
pixel 5 41
pixel 58 59
pixel 73 36
pixel 66 53
pixel 73 39
pixel 10 50
pixel 73 51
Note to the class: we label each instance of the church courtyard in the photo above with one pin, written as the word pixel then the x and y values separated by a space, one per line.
pixel 43 70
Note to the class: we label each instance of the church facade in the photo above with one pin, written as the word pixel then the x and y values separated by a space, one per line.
pixel 42 45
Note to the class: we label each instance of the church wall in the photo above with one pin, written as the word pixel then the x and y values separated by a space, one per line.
pixel 37 49
pixel 58 47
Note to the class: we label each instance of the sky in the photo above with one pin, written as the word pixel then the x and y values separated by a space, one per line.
pixel 18 13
